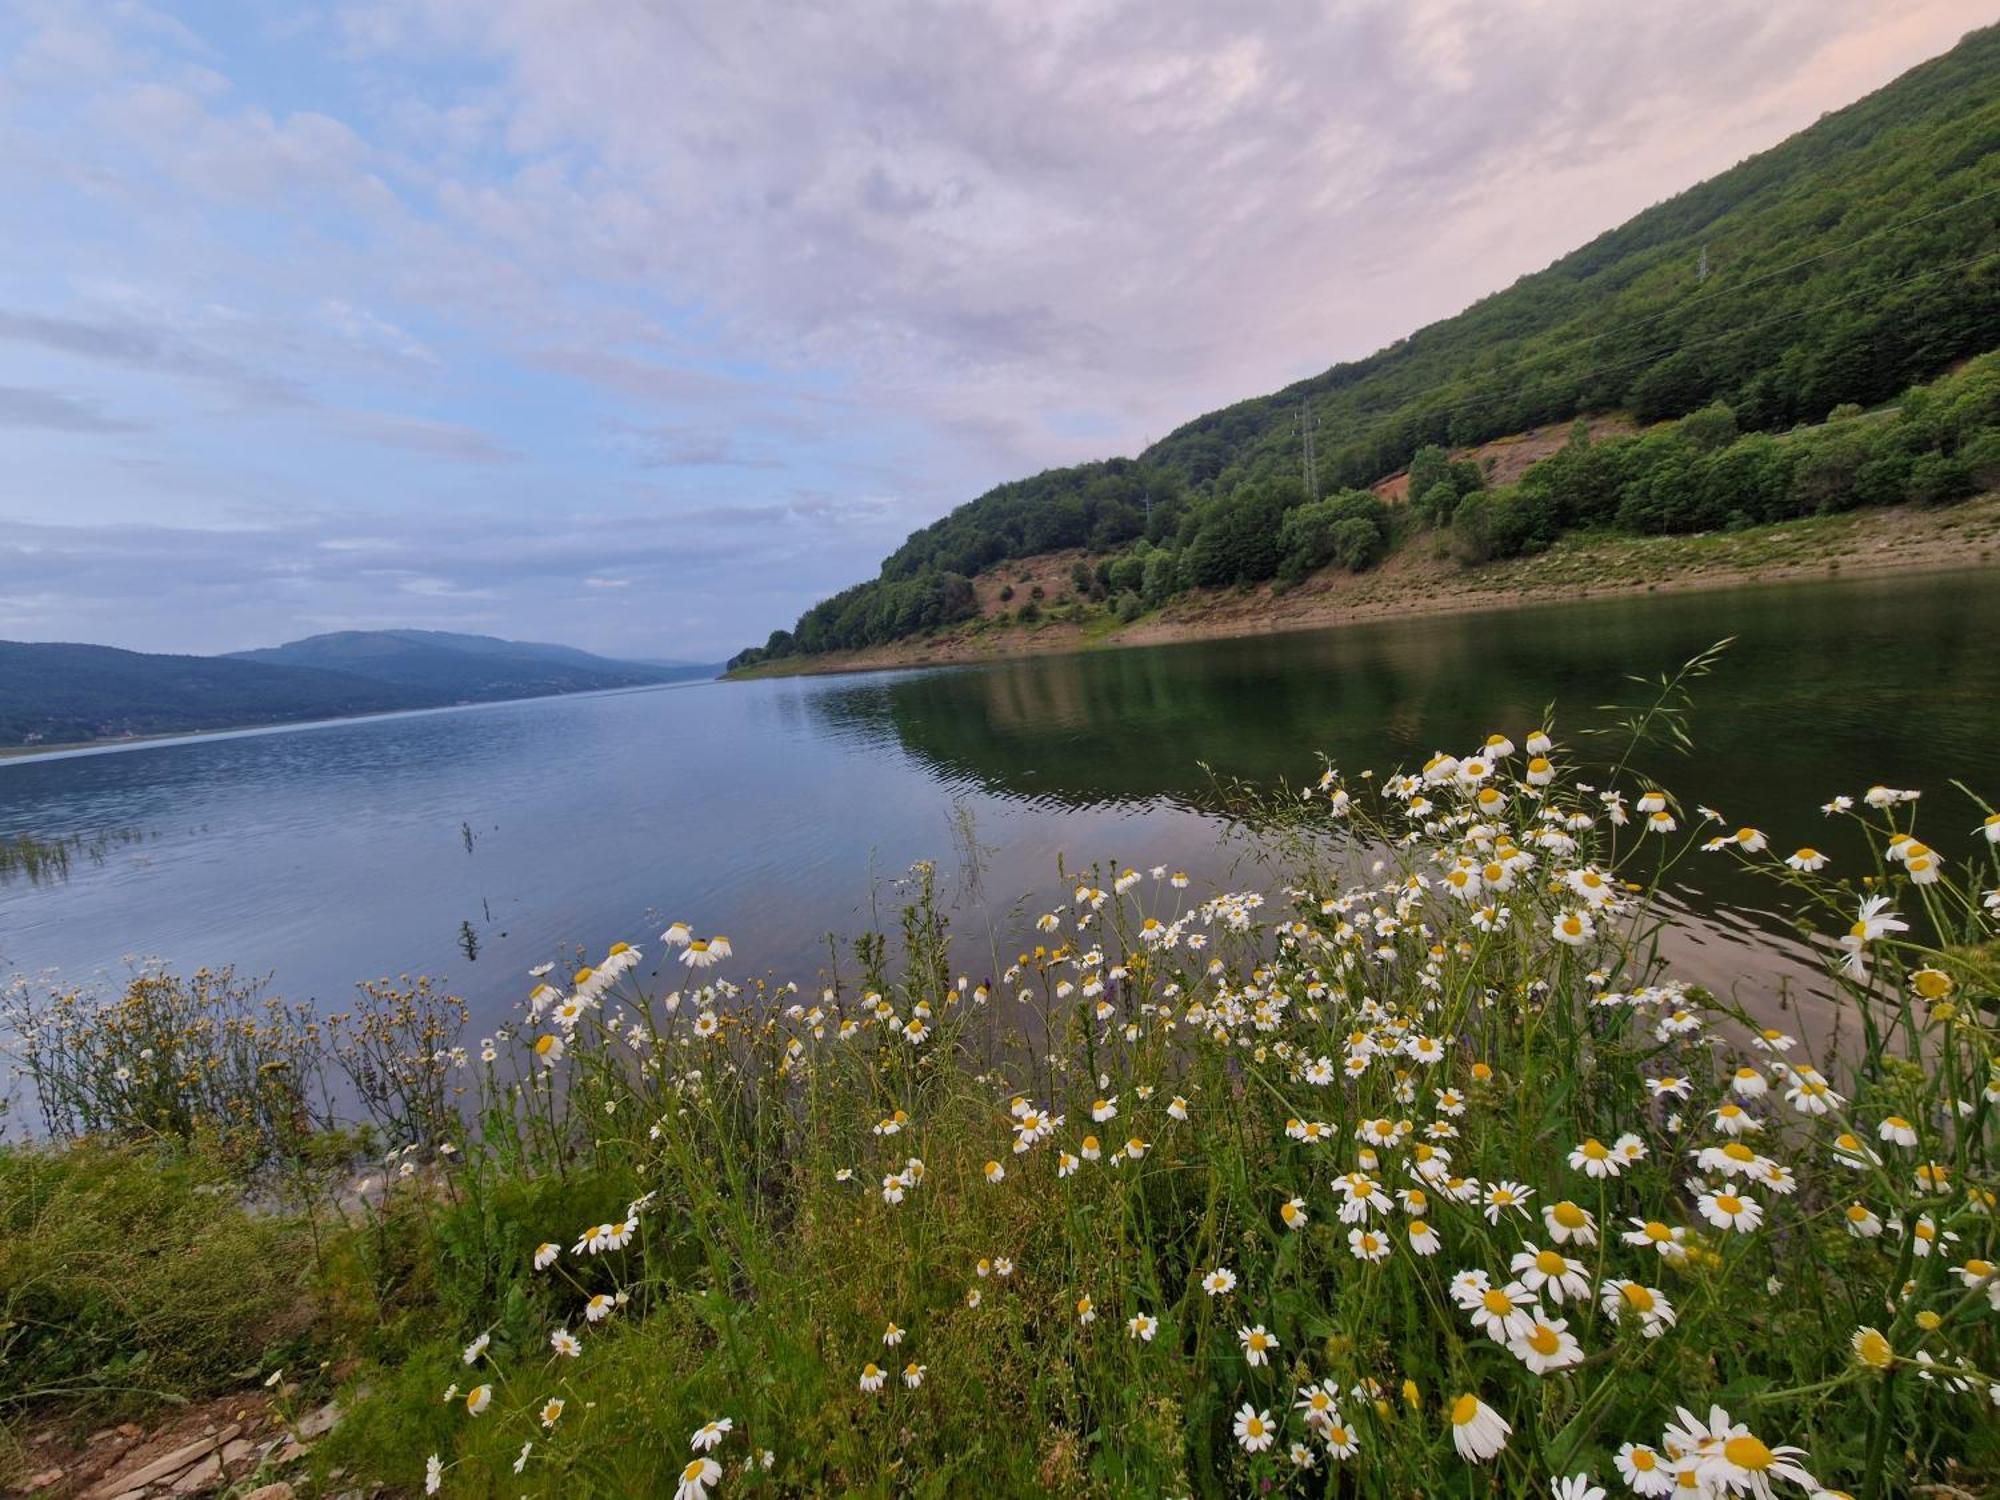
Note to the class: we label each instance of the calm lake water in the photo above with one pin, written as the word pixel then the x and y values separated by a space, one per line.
pixel 778 811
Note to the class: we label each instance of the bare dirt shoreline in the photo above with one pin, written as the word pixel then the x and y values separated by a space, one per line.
pixel 1417 580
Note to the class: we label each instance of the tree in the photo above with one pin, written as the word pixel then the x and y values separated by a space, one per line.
pixel 1712 427
pixel 1428 469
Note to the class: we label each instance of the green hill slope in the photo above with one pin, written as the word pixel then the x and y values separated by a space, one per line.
pixel 1852 260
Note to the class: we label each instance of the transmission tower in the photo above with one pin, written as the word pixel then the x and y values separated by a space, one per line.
pixel 1306 456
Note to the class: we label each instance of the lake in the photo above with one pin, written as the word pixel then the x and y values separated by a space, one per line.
pixel 779 811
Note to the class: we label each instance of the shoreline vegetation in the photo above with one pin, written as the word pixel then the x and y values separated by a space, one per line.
pixel 1605 506
pixel 1856 544
pixel 1419 1175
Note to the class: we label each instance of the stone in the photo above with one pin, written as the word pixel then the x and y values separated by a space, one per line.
pixel 237 1451
pixel 164 1466
pixel 200 1477
pixel 43 1480
pixel 319 1423
pixel 278 1491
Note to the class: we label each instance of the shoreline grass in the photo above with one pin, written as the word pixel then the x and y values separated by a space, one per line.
pixel 1421 1176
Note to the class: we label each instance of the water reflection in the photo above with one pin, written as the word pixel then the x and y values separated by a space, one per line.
pixel 775 810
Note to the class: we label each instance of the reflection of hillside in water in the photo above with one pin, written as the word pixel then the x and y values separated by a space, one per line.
pixel 1826 689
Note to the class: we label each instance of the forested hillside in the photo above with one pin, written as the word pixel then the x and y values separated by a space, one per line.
pixel 1829 274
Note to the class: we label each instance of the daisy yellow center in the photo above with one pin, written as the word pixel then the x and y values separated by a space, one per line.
pixel 1737 1151
pixel 1595 1149
pixel 1254 1426
pixel 1658 1232
pixel 1638 1296
pixel 1544 1340
pixel 1549 1263
pixel 1418 1229
pixel 1464 1409
pixel 1857 1213
pixel 1873 1350
pixel 1644 1461
pixel 1729 1203
pixel 1568 1215
pixel 692 1472
pixel 1748 1453
pixel 1498 1303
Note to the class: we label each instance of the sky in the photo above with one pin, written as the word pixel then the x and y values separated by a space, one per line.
pixel 641 325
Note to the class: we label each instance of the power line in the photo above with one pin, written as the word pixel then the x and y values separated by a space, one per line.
pixel 1699 298
pixel 1472 401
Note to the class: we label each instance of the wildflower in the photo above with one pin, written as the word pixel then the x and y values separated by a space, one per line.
pixel 1897 1131
pixel 1293 1213
pixel 1086 1311
pixel 1502 1312
pixel 476 1348
pixel 1862 1221
pixel 711 1433
pixel 1741 1464
pixel 892 1335
pixel 1870 923
pixel 1576 1487
pixel 913 1374
pixel 1367 1245
pixel 1595 1159
pixel 1546 1345
pixel 1725 1208
pixel 1142 1326
pixel 699 1474
pixel 545 1255
pixel 549 1047
pixel 1219 1282
pixel 1806 859
pixel 1665 1238
pixel 1317 1404
pixel 1552 1272
pixel 1567 1221
pixel 478 1399
pixel 1505 1195
pixel 433 1474
pixel 994 1171
pixel 1573 928
pixel 1477 1430
pixel 552 1410
pixel 1872 1349
pixel 565 1343
pixel 872 1377
pixel 1257 1345
pixel 1644 1470
pixel 1423 1239
pixel 1253 1429
pixel 1621 1299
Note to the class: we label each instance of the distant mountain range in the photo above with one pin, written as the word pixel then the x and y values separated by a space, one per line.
pixel 54 693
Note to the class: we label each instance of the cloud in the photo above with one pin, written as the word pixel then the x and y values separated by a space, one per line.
pixel 434 311
pixel 55 412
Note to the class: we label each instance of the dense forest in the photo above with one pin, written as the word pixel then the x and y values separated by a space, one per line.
pixel 1799 289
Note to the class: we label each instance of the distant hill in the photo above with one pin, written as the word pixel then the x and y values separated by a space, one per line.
pixel 464 667
pixel 1844 265
pixel 60 693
